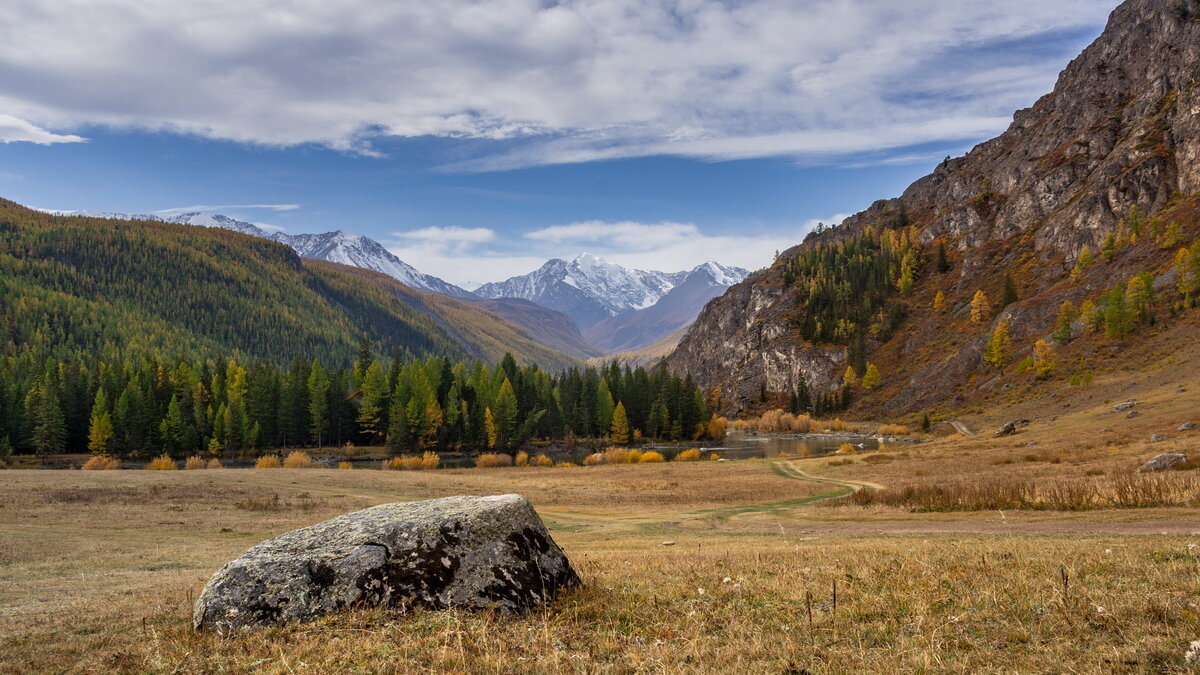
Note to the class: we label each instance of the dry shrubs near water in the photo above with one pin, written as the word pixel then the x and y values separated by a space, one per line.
pixel 101 463
pixel 780 422
pixel 162 463
pixel 1123 491
pixel 268 462
pixel 426 462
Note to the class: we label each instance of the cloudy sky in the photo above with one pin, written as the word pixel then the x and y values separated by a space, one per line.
pixel 476 138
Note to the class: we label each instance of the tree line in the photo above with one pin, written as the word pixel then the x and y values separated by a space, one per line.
pixel 147 407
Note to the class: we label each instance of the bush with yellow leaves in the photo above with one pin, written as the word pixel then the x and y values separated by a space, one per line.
pixel 101 463
pixel 267 462
pixel 162 463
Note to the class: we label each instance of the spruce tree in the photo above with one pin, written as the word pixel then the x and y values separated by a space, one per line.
pixel 318 402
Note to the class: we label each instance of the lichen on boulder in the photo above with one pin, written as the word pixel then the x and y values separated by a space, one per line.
pixel 464 552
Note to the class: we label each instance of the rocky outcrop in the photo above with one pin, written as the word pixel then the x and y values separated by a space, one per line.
pixel 466 552
pixel 1120 130
pixel 1164 461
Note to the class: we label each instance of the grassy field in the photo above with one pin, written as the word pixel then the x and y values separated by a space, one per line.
pixel 98 570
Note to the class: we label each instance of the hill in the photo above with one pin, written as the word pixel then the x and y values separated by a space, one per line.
pixel 96 286
pixel 1089 194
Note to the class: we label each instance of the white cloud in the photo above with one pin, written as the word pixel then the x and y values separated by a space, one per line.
pixel 448 235
pixel 270 228
pixel 669 247
pixel 575 80
pixel 205 208
pixel 16 130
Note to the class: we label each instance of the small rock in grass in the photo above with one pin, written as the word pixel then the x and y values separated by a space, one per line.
pixel 1122 407
pixel 1187 426
pixel 1164 461
pixel 1132 414
pixel 667 543
pixel 1157 438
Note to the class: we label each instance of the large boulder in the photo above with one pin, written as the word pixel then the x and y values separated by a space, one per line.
pixel 1164 461
pixel 467 552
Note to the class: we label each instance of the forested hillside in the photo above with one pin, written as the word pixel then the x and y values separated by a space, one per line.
pixel 114 289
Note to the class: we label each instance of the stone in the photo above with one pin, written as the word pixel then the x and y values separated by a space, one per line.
pixel 1157 438
pixel 1122 407
pixel 1132 414
pixel 1164 461
pixel 1011 428
pixel 1187 426
pixel 474 553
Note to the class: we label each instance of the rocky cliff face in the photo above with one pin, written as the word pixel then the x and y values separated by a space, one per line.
pixel 1121 129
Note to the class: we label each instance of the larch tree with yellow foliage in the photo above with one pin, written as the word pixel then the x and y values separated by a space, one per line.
pixel 1043 359
pixel 999 346
pixel 980 307
pixel 849 378
pixel 619 432
pixel 939 302
pixel 871 379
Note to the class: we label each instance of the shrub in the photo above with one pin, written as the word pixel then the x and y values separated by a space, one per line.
pixel 490 460
pixel 345 466
pixel 522 458
pixel 162 463
pixel 297 459
pixel 845 449
pixel 634 456
pixel 430 461
pixel 565 465
pixel 195 462
pixel 837 425
pixel 543 460
pixel 618 456
pixel 593 459
pixel 650 457
pixel 214 463
pixel 893 430
pixel 101 463
pixel 404 463
pixel 692 455
pixel 267 462
pixel 712 457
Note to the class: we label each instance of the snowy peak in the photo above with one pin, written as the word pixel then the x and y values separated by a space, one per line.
pixel 338 246
pixel 591 289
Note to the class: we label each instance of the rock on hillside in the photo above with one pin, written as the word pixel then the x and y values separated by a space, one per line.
pixel 1120 130
pixel 465 552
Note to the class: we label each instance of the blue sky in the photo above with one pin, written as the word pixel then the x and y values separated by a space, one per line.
pixel 476 139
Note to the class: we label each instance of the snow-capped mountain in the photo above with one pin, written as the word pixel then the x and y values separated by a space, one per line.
pixel 591 289
pixel 339 247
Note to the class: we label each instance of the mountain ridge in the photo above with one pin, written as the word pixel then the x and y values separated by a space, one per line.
pixel 1115 148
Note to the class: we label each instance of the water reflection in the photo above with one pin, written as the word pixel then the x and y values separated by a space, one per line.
pixel 740 446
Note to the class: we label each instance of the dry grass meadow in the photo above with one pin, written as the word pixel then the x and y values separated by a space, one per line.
pixel 98 569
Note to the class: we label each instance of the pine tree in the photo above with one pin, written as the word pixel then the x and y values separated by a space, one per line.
pixel 318 402
pixel 373 398
pixel 939 302
pixel 100 427
pixel 171 428
pixel 943 261
pixel 1091 315
pixel 49 430
pixel 999 346
pixel 1116 315
pixel 604 407
pixel 1085 259
pixel 980 307
pixel 871 379
pixel 489 426
pixel 1139 299
pixel 505 415
pixel 1008 294
pixel 1043 359
pixel 1064 325
pixel 619 432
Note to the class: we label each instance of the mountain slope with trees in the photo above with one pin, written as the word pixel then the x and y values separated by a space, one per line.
pixel 1090 198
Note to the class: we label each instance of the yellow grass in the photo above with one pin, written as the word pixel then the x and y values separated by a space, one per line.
pixel 941 592
pixel 490 460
